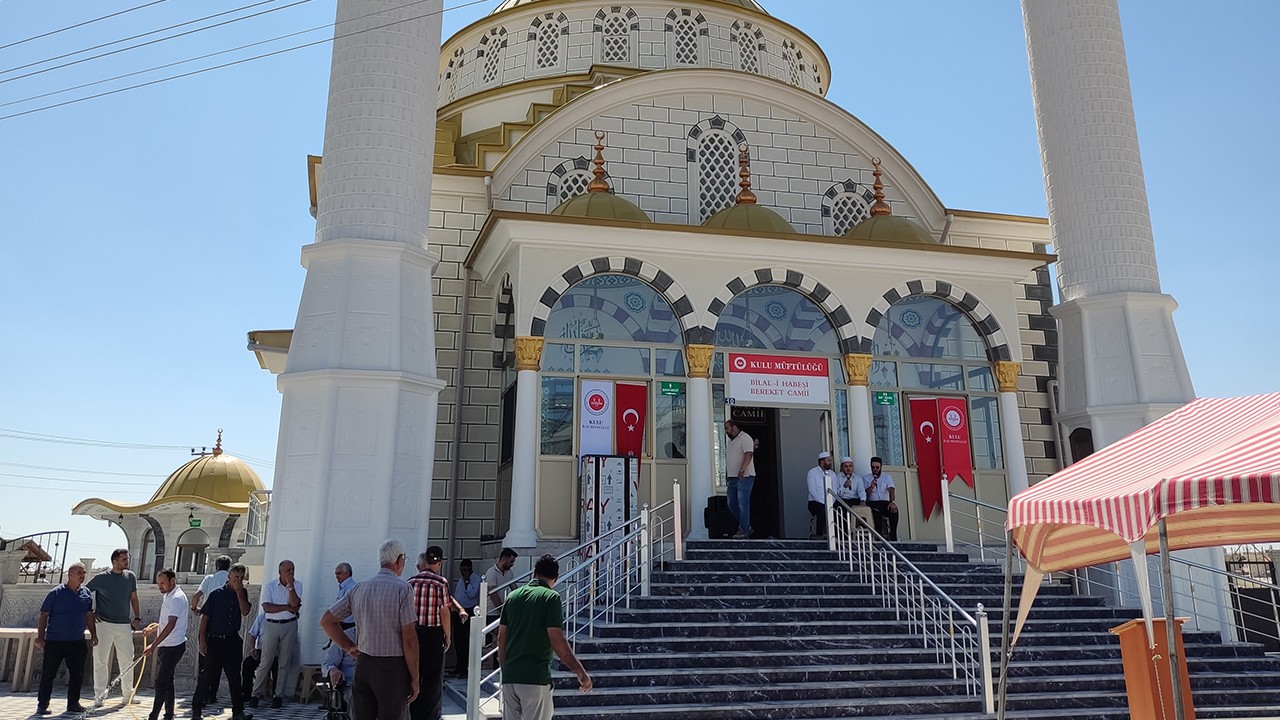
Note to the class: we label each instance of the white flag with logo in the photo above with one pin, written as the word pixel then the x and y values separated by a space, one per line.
pixel 595 417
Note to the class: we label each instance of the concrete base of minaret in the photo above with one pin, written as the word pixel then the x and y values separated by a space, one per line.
pixel 1122 364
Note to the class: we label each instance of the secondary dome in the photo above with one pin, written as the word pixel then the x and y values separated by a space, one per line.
pixel 746 214
pixel 218 477
pixel 598 202
pixel 883 225
pixel 748 4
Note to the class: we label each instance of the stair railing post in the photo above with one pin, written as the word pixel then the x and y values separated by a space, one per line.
pixel 830 511
pixel 592 579
pixel 646 558
pixel 947 528
pixel 677 518
pixel 475 659
pixel 984 649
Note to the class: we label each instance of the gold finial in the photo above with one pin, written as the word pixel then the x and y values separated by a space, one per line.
pixel 217 447
pixel 598 183
pixel 745 196
pixel 879 207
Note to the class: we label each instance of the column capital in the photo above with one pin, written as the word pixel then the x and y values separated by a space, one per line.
pixel 698 358
pixel 858 369
pixel 1007 375
pixel 529 353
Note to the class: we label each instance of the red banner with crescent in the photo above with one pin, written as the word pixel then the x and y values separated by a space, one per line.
pixel 630 403
pixel 953 433
pixel 924 423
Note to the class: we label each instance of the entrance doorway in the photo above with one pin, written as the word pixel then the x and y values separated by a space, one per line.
pixel 788 442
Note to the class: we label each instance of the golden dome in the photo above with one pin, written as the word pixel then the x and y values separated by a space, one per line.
pixel 218 477
pixel 883 225
pixel 599 201
pixel 751 217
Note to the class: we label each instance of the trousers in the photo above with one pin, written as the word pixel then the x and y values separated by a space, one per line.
pixel 166 664
pixel 428 704
pixel 222 657
pixel 279 642
pixel 118 637
pixel 739 497
pixel 381 688
pixel 57 652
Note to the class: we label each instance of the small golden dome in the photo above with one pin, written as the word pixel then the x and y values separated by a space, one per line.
pixel 883 225
pixel 752 218
pixel 598 201
pixel 218 477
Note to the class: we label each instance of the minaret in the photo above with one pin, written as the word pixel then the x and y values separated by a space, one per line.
pixel 1121 364
pixel 358 422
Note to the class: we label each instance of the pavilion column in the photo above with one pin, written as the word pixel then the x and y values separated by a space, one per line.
pixel 862 441
pixel 1015 458
pixel 701 483
pixel 524 471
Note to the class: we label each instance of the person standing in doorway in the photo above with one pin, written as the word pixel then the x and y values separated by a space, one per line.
pixel 819 480
pixel 64 616
pixel 532 627
pixel 211 582
pixel 881 495
pixel 740 467
pixel 281 601
pixel 170 643
pixel 115 605
pixel 219 641
pixel 386 675
pixel 466 596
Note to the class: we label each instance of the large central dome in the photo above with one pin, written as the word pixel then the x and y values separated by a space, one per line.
pixel 748 4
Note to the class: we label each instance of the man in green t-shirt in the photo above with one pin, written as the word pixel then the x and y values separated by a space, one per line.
pixel 532 626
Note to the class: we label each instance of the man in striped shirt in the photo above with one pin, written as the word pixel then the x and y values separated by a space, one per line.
pixel 431 605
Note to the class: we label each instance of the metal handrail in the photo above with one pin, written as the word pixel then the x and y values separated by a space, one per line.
pixel 52 543
pixel 1212 597
pixel 957 637
pixel 592 590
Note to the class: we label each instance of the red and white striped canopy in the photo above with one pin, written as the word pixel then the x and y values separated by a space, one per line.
pixel 1210 469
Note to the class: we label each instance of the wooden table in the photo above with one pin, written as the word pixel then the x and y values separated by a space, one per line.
pixel 20 670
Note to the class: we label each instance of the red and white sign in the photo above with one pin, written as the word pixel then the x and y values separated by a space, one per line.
pixel 778 380
pixel 595 418
pixel 953 432
pixel 630 403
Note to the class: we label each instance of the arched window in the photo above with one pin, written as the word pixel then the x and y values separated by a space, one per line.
pixel 795 63
pixel 924 345
pixel 614 30
pixel 568 180
pixel 493 48
pixel 547 34
pixel 713 155
pixel 193 546
pixel 772 317
pixel 449 83
pixel 844 205
pixel 147 569
pixel 686 35
pixel 749 41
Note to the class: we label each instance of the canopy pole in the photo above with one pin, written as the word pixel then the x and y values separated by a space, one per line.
pixel 1170 623
pixel 1005 650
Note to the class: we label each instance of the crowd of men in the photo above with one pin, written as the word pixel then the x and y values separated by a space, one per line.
pixel 388 637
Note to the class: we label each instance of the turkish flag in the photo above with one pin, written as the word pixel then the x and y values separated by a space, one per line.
pixel 953 429
pixel 924 421
pixel 630 402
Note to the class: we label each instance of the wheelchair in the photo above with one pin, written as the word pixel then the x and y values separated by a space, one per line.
pixel 336 706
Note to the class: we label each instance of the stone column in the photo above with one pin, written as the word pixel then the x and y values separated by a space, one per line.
pixel 1015 458
pixel 863 440
pixel 701 465
pixel 356 449
pixel 524 471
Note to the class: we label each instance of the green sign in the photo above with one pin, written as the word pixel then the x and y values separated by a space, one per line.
pixel 195 522
pixel 886 398
pixel 672 389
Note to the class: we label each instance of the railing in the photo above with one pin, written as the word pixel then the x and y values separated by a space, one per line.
pixel 46 556
pixel 958 639
pixel 255 532
pixel 607 572
pixel 1240 607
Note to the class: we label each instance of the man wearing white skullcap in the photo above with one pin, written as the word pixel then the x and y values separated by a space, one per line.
pixel 848 486
pixel 819 480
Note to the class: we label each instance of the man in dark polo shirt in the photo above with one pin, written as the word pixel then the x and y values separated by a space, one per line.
pixel 220 619
pixel 532 626
pixel 66 612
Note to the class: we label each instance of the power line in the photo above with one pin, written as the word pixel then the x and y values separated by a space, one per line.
pixel 76 470
pixel 81 24
pixel 58 489
pixel 77 482
pixel 227 65
pixel 144 44
pixel 65 440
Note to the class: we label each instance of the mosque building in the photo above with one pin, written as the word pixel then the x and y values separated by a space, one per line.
pixel 624 196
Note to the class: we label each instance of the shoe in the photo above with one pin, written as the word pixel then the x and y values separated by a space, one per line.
pixel 742 535
pixel 97 702
pixel 42 711
pixel 277 703
pixel 135 700
pixel 253 701
pixel 77 709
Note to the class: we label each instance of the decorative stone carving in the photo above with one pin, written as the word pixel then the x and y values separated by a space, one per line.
pixel 698 357
pixel 1007 375
pixel 529 353
pixel 858 367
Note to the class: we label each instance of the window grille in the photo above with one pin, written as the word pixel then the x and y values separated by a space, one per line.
pixel 549 45
pixel 493 60
pixel 848 209
pixel 748 57
pixel 573 184
pixel 718 173
pixel 686 42
pixel 615 44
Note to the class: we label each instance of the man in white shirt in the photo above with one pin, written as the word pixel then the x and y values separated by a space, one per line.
pixel 281 600
pixel 170 642
pixel 497 576
pixel 819 480
pixel 881 495
pixel 848 486
pixel 210 583
pixel 740 469
pixel 342 573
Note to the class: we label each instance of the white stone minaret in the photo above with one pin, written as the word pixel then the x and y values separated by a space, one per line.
pixel 358 423
pixel 1121 363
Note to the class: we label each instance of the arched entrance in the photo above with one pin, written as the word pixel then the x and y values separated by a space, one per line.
pixel 193 547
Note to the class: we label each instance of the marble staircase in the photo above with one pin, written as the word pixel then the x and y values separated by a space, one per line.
pixel 746 630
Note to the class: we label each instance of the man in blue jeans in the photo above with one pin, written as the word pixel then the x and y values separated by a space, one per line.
pixel 740 467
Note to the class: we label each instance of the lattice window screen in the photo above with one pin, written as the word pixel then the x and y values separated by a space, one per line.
pixel 686 42
pixel 549 45
pixel 717 173
pixel 748 58
pixel 493 64
pixel 793 64
pixel 848 209
pixel 615 46
pixel 573 184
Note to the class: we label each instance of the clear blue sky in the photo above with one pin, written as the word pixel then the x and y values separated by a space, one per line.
pixel 146 232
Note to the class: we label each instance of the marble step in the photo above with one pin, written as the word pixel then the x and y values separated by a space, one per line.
pixel 696 677
pixel 780 709
pixel 855 612
pixel 720 693
pixel 1270 710
pixel 733 598
pixel 756 545
pixel 801 626
pixel 749 583
pixel 828 565
pixel 737 554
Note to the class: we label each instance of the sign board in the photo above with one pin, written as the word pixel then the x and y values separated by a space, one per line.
pixel 672 389
pixel 779 380
pixel 886 398
pixel 194 522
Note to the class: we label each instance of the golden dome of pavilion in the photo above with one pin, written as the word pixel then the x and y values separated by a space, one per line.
pixel 883 225
pixel 218 477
